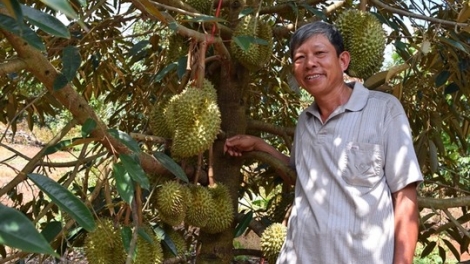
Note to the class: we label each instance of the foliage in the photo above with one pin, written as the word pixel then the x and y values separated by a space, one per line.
pixel 106 64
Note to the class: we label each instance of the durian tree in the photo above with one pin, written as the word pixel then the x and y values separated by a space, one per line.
pixel 155 87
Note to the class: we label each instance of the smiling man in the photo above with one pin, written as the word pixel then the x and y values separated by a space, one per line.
pixel 357 171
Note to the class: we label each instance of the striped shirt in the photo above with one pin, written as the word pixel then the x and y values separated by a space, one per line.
pixel 347 169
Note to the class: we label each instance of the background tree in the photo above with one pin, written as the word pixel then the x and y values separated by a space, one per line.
pixel 114 61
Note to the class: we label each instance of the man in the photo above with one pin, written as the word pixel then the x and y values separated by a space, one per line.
pixel 357 172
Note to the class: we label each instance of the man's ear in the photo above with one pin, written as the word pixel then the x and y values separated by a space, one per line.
pixel 344 59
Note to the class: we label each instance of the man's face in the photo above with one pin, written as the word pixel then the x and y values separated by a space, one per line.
pixel 317 68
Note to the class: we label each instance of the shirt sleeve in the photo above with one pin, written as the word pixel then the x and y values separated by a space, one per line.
pixel 401 163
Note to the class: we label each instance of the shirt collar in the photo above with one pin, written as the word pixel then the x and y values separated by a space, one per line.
pixel 356 102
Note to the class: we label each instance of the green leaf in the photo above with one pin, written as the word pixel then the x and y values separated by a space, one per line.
pixel 165 71
pixel 171 165
pixel 14 8
pixel 88 127
pixel 126 235
pixel 18 28
pixel 182 65
pixel 139 46
pixel 66 201
pixel 428 249
pixel 71 61
pixel 125 139
pixel 17 231
pixel 141 231
pixel 132 165
pixel 60 82
pixel 173 26
pixel 45 22
pixel 245 41
pixel 454 43
pixel 57 147
pixel 51 230
pixel 243 224
pixel 124 183
pixel 62 6
pixel 442 78
pixel 169 244
pixel 451 88
pixel 314 11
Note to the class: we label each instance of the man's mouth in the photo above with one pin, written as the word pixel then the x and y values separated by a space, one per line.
pixel 311 77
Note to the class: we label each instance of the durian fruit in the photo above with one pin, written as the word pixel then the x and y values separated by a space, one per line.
pixel 199 207
pixel 279 206
pixel 193 117
pixel 177 48
pixel 203 6
pixel 222 212
pixel 257 55
pixel 177 238
pixel 104 245
pixel 295 14
pixel 171 200
pixel 148 252
pixel 364 38
pixel 157 122
pixel 272 240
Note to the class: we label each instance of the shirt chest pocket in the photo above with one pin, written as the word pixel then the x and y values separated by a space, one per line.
pixel 363 164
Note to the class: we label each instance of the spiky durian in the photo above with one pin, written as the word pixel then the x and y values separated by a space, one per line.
pixel 203 6
pixel 222 213
pixel 104 245
pixel 272 240
pixel 148 248
pixel 171 200
pixel 294 13
pixel 157 122
pixel 178 241
pixel 199 207
pixel 258 53
pixel 364 38
pixel 194 118
pixel 177 48
pixel 279 206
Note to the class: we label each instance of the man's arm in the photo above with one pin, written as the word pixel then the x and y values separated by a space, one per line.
pixel 236 145
pixel 405 205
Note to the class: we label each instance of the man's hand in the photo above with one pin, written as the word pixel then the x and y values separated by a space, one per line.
pixel 236 145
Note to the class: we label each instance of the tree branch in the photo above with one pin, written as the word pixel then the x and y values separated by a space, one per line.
pixel 427 202
pixel 418 16
pixel 45 72
pixel 11 66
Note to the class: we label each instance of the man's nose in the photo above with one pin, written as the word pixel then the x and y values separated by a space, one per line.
pixel 311 61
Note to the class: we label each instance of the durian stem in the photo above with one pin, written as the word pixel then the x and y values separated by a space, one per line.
pixel 199 168
pixel 210 171
pixel 200 63
pixel 133 242
pixel 363 5
pixel 138 205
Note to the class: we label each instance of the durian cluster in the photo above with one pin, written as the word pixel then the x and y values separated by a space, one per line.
pixel 104 245
pixel 364 38
pixel 209 208
pixel 191 119
pixel 272 240
pixel 257 55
